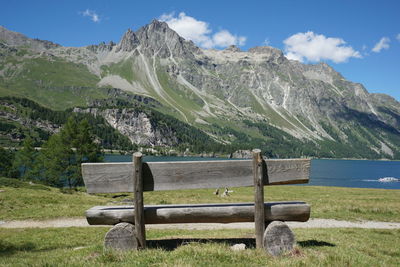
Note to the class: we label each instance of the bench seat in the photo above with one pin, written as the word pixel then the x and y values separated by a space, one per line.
pixel 200 213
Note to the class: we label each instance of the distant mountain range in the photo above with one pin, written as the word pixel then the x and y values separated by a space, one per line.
pixel 234 99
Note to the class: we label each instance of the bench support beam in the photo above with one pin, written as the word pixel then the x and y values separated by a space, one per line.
pixel 200 213
pixel 259 217
pixel 139 206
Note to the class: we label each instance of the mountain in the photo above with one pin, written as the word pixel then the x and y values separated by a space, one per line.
pixel 240 99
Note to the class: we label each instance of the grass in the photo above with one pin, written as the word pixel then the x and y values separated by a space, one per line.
pixel 20 200
pixel 83 247
pixel 326 202
pixel 54 83
pixel 124 69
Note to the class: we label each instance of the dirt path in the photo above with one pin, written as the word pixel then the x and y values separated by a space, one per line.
pixel 312 223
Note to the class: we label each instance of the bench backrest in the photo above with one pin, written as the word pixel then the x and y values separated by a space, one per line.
pixel 117 177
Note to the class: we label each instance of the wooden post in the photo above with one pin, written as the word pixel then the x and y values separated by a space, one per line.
pixel 259 217
pixel 138 191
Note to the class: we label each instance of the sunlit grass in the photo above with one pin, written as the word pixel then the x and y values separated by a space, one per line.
pixel 83 247
pixel 24 201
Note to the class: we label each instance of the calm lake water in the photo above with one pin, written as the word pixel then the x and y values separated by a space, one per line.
pixel 324 172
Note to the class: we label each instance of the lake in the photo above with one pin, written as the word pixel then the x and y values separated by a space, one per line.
pixel 324 172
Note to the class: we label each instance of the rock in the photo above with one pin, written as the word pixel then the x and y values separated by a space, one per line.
pixel 18 39
pixel 233 48
pixel 278 238
pixel 128 42
pixel 242 154
pixel 79 248
pixel 265 50
pixel 157 37
pixel 136 125
pixel 121 237
pixel 238 247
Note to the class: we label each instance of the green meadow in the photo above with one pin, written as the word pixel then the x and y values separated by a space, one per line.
pixel 82 246
pixel 22 200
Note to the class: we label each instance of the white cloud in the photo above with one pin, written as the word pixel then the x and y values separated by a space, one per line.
pixel 313 47
pixel 398 37
pixel 200 32
pixel 92 14
pixel 224 38
pixel 294 56
pixel 382 44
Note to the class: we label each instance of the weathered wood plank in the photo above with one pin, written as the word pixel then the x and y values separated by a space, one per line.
pixel 138 199
pixel 259 218
pixel 116 177
pixel 199 213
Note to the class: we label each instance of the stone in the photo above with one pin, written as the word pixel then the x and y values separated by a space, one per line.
pixel 238 247
pixel 128 42
pixel 278 238
pixel 121 237
pixel 136 125
pixel 241 154
pixel 233 48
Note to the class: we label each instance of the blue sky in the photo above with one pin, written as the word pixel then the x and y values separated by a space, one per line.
pixel 360 39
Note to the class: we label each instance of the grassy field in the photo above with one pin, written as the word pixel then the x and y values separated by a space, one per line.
pixel 19 200
pixel 83 247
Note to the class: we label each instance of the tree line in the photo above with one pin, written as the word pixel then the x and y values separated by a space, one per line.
pixel 58 162
pixel 108 137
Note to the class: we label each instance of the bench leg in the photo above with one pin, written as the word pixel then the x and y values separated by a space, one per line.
pixel 278 238
pixel 121 236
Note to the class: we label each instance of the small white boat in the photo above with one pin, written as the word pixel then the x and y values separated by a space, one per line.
pixel 388 179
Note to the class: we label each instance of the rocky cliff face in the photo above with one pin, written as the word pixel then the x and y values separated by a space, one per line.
pixel 226 87
pixel 136 125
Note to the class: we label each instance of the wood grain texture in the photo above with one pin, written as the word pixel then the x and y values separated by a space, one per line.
pixel 116 177
pixel 199 213
pixel 259 218
pixel 138 199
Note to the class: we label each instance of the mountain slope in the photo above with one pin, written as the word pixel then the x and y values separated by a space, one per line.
pixel 245 93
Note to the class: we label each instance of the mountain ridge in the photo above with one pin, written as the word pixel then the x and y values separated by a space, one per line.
pixel 206 87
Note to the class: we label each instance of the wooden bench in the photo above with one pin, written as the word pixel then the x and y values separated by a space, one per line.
pixel 129 221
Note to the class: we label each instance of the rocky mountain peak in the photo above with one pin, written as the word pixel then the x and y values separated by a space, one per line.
pixel 268 53
pixel 156 30
pixel 158 25
pixel 265 50
pixel 101 47
pixel 157 38
pixel 128 42
pixel 233 48
pixel 18 39
pixel 321 71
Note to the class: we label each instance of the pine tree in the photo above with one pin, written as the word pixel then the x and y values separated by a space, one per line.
pixel 61 157
pixel 24 160
pixel 55 162
pixel 6 159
